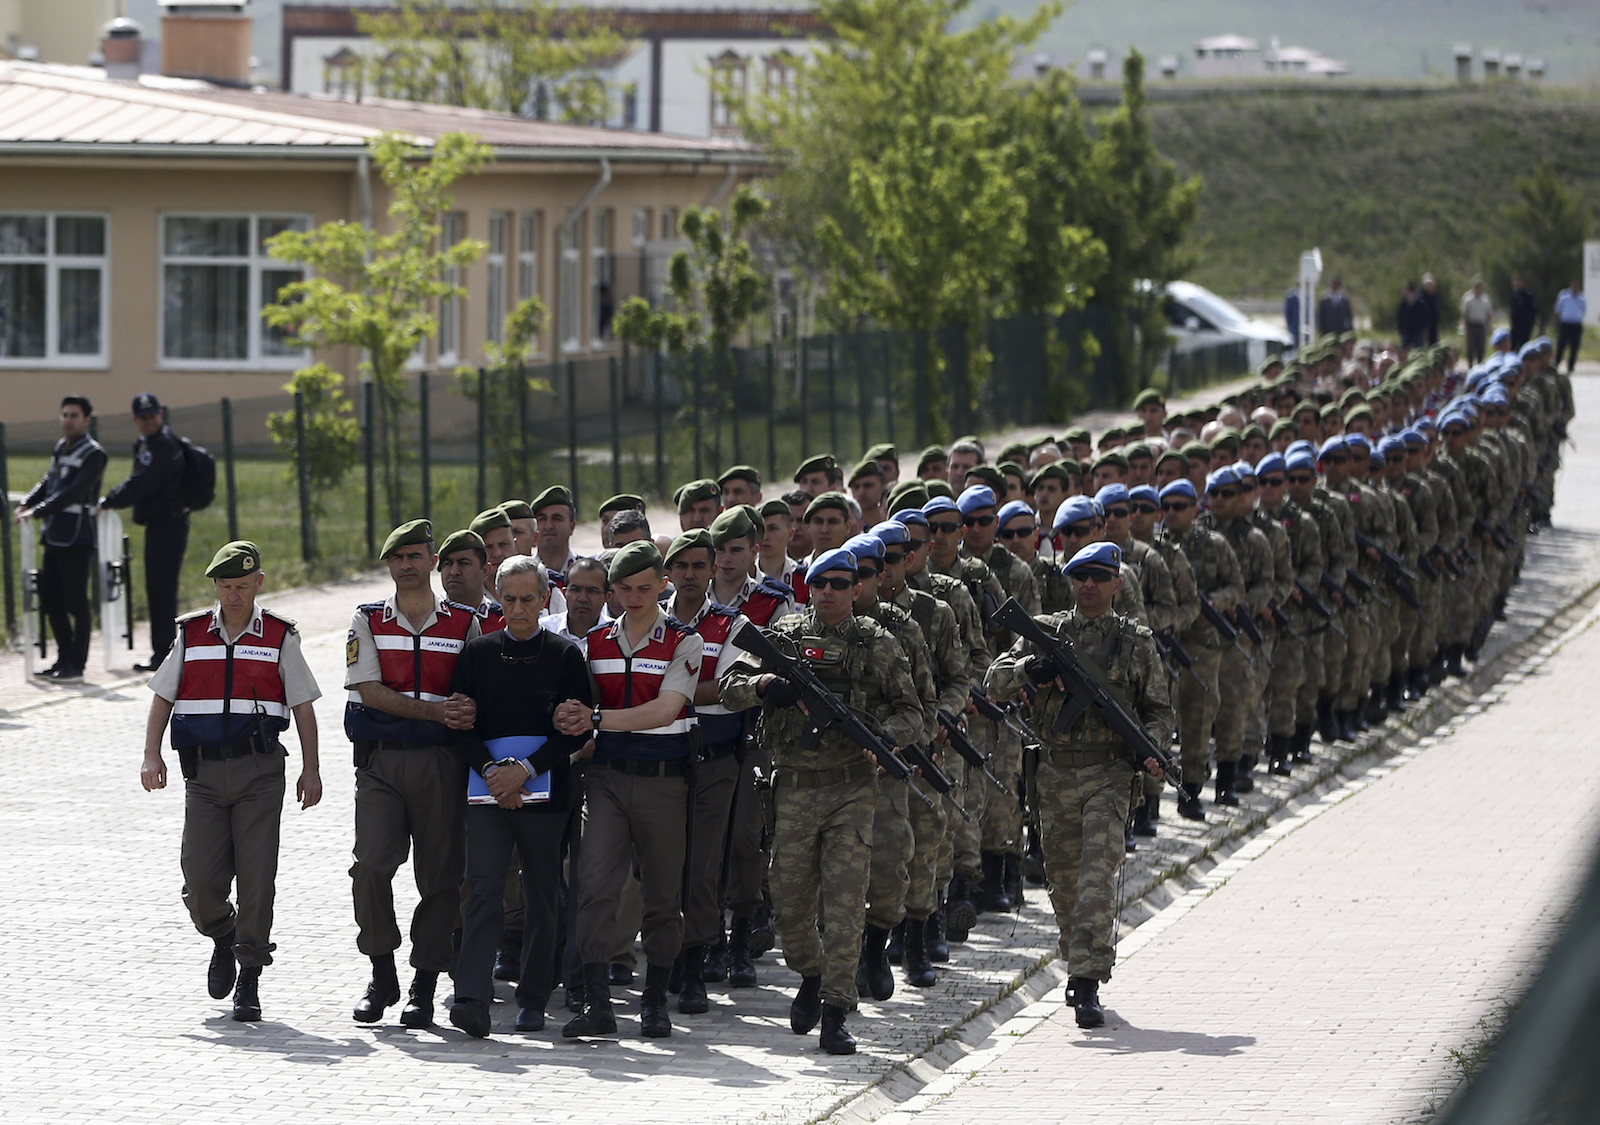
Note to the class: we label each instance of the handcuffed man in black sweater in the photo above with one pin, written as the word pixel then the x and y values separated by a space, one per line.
pixel 517 792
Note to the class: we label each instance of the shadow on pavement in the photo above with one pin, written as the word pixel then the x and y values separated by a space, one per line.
pixel 270 1036
pixel 1127 1039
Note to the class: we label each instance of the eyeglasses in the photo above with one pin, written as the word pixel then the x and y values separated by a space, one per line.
pixel 1092 574
pixel 916 544
pixel 1117 513
pixel 1301 478
pixel 822 580
pixel 1078 530
pixel 1225 493
pixel 1271 482
pixel 865 572
pixel 1394 458
pixel 944 528
pixel 978 521
pixel 894 558
pixel 1017 532
pixel 1336 459
pixel 1175 506
pixel 1147 509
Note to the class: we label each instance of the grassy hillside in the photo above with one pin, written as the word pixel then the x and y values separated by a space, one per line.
pixel 1387 186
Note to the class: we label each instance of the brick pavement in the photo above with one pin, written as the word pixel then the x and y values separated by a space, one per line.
pixel 103 953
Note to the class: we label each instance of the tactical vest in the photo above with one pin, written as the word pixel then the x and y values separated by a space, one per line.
pixel 843 667
pixel 65 526
pixel 1113 659
pixel 421 665
pixel 225 686
pixel 627 681
pixel 718 725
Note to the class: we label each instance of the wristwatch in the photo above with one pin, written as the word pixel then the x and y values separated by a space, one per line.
pixel 594 717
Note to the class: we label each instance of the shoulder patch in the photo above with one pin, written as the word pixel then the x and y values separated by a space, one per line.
pixel 472 609
pixel 293 625
pixel 369 607
pixel 352 650
pixel 198 613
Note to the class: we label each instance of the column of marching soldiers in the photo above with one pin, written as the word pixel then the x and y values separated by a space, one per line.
pixel 866 761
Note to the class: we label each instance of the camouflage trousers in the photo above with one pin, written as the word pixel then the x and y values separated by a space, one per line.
pixel 1238 692
pixel 1425 642
pixel 1353 678
pixel 821 860
pixel 1197 710
pixel 1082 811
pixel 929 828
pixel 1283 682
pixel 1305 696
pixel 892 845
pixel 1001 813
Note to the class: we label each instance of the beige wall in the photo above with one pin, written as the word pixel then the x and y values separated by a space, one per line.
pixel 134 197
pixel 64 31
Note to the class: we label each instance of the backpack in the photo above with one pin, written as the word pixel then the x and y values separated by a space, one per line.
pixel 197 488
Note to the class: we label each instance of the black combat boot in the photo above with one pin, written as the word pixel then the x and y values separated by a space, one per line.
pixel 471 1016
pixel 762 939
pixel 418 1011
pixel 897 944
pixel 1224 794
pixel 1376 711
pixel 597 1018
pixel 1189 806
pixel 1277 752
pixel 1013 879
pixel 741 969
pixel 246 1001
pixel 1300 744
pixel 1452 662
pixel 1417 683
pixel 692 999
pixel 508 958
pixel 991 897
pixel 1242 781
pixel 1033 860
pixel 1130 843
pixel 1436 668
pixel 933 937
pixel 874 971
pixel 1394 695
pixel 1143 825
pixel 574 988
pixel 835 1039
pixel 383 990
pixel 806 1008
pixel 653 1020
pixel 716 960
pixel 960 915
pixel 1083 993
pixel 222 971
pixel 674 976
pixel 918 966
pixel 1327 727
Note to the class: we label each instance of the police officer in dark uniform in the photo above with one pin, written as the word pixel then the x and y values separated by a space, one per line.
pixel 64 499
pixel 152 492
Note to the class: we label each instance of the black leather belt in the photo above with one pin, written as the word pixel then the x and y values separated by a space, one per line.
pixel 673 767
pixel 719 749
pixel 235 750
pixel 372 745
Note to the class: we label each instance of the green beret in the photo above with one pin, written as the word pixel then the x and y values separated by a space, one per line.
pixel 1225 437
pixel 694 492
pixel 1149 395
pixel 1280 427
pixel 555 494
pixel 1306 404
pixel 883 451
pixel 1016 453
pixel 734 524
pixel 939 488
pixel 517 510
pixel 631 559
pixel 1178 455
pixel 688 541
pixel 990 476
pixel 1137 449
pixel 416 531
pixel 1252 430
pixel 239 559
pixel 1196 449
pixel 930 455
pixel 908 494
pixel 621 502
pixel 867 468
pixel 1268 364
pixel 465 540
pixel 1055 470
pixel 828 500
pixel 1077 433
pixel 1362 411
pixel 1010 468
pixel 1044 439
pixel 821 463
pixel 1330 410
pixel 491 520
pixel 1112 457
pixel 775 508
pixel 741 472
pixel 1113 434
pixel 1350 395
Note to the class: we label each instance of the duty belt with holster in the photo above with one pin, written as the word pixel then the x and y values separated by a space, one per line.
pixel 261 742
pixel 816 779
pixel 365 748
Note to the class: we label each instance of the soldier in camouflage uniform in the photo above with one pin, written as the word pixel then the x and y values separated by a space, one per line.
pixel 824 793
pixel 1186 607
pixel 1298 659
pixel 1082 780
pixel 1273 639
pixel 1079 524
pixel 1414 507
pixel 1339 542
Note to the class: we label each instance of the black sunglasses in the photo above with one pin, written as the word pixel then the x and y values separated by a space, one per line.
pixel 916 544
pixel 978 521
pixel 1336 459
pixel 944 528
pixel 894 558
pixel 1017 532
pixel 1147 508
pixel 1272 482
pixel 1117 513
pixel 865 572
pixel 1093 574
pixel 1225 493
pixel 1175 506
pixel 822 580
pixel 1301 478
pixel 1078 530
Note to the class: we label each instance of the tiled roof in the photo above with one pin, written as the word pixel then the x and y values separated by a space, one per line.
pixel 644 23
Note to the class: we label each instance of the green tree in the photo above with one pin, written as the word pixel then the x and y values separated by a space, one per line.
pixel 493 54
pixel 1542 238
pixel 333 436
pixel 376 292
pixel 507 388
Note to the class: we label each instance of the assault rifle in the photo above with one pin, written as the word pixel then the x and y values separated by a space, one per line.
pixel 824 709
pixel 1281 620
pixel 1250 628
pixel 1177 658
pixel 962 745
pixel 1389 559
pixel 937 779
pixel 1364 584
pixel 996 713
pixel 1223 626
pixel 1087 692
pixel 1316 605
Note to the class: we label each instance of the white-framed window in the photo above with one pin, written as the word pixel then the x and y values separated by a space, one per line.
pixel 669 224
pixel 216 277
pixel 780 70
pixel 452 228
pixel 571 282
pixel 499 228
pixel 641 227
pixel 730 85
pixel 53 290
pixel 602 275
pixel 528 239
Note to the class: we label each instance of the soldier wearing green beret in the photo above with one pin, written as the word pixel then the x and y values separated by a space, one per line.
pixel 555 518
pixel 1079 443
pixel 940 488
pixel 908 494
pixel 828 521
pixel 1049 486
pixel 888 459
pixel 698 503
pixel 740 485
pixel 623 502
pixel 1151 407
pixel 497 531
pixel 1016 481
pixel 1111 467
pixel 523 535
pixel 226 718
pixel 986 475
pixel 815 474
pixel 932 462
pixel 867 486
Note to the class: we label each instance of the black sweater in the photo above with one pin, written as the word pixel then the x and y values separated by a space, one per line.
pixel 516 685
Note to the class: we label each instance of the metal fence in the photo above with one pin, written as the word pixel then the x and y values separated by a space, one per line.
pixel 1205 365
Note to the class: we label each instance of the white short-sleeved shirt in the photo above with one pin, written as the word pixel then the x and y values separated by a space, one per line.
pixel 361 664
pixel 299 685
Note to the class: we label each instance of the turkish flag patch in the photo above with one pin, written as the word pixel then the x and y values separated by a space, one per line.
pixel 1354 497
pixel 813 653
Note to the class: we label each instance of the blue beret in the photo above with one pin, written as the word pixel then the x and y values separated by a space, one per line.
pixel 1425 424
pixel 1495 396
pixel 1179 488
pixel 1299 460
pixel 1144 492
pixel 1096 554
pixel 1375 458
pixel 1500 334
pixel 1224 477
pixel 1012 510
pixel 1392 444
pixel 864 546
pixel 1544 343
pixel 890 532
pixel 909 516
pixel 1531 348
pixel 1243 469
pixel 1353 440
pixel 1333 445
pixel 1271 463
pixel 1412 438
pixel 978 496
pixel 1112 494
pixel 836 559
pixel 1074 509
pixel 1301 446
pixel 939 504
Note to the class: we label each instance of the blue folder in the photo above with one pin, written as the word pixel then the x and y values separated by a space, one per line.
pixel 513 746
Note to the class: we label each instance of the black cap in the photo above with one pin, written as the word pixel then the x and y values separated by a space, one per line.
pixel 145 404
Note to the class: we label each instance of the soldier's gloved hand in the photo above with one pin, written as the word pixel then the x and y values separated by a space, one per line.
pixel 1039 669
pixel 780 693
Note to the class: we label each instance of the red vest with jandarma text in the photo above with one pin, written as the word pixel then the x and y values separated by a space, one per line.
pixel 627 681
pixel 491 617
pixel 421 665
pixel 764 601
pixel 718 725
pixel 227 688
